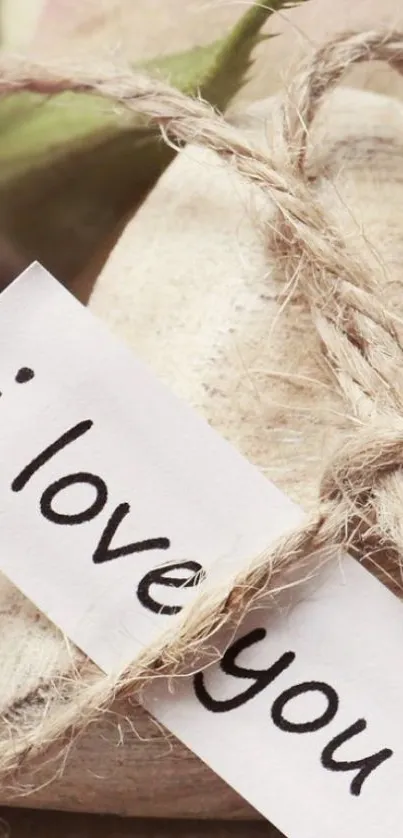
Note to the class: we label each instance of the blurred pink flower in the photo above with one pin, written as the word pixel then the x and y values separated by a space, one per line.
pixel 63 27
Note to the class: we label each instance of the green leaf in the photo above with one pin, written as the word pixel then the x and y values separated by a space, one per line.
pixel 219 70
pixel 32 128
pixel 71 169
pixel 184 70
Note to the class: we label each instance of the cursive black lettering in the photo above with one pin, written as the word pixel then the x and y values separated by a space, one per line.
pixel 87 514
pixel 160 576
pixel 104 552
pixel 261 677
pixel 299 689
pixel 65 439
pixel 365 765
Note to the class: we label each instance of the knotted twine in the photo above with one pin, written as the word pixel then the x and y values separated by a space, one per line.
pixel 361 493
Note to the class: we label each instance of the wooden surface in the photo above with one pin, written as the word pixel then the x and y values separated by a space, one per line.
pixel 15 823
pixel 128 765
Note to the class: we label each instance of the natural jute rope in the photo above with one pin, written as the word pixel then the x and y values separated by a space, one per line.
pixel 361 494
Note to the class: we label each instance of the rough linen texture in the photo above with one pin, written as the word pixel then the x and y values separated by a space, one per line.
pixel 231 330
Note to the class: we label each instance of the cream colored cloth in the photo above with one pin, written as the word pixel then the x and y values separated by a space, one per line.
pixel 190 287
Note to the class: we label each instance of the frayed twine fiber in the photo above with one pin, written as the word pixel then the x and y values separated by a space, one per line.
pixel 361 494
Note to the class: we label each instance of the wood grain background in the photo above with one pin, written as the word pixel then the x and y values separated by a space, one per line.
pixel 30 824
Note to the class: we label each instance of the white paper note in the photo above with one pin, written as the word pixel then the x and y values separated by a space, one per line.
pixel 338 657
pixel 113 494
pixel 137 472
